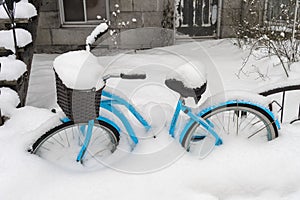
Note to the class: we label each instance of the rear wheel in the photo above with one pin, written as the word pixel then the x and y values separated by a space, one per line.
pixel 62 144
pixel 240 119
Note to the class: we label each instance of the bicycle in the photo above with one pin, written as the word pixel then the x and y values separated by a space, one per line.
pixel 100 135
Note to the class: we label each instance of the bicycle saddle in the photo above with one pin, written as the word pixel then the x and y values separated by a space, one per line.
pixel 184 91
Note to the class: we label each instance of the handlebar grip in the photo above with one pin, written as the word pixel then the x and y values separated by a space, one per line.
pixel 133 76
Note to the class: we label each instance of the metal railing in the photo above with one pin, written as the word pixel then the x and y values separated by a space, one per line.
pixel 283 90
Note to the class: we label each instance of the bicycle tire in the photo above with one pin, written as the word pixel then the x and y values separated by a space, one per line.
pixel 240 111
pixel 67 139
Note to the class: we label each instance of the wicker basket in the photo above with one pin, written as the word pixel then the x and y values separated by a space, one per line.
pixel 18 86
pixel 78 105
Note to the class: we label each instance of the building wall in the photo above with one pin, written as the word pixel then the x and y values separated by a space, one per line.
pixel 54 38
pixel 230 17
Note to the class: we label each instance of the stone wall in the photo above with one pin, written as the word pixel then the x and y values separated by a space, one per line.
pixel 54 38
pixel 230 17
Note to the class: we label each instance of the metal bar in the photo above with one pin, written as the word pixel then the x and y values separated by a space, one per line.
pixel 123 119
pixel 282 104
pixel 175 118
pixel 280 89
pixel 85 11
pixel 299 112
pixel 203 123
pixel 1 119
pixel 86 140
pixel 118 100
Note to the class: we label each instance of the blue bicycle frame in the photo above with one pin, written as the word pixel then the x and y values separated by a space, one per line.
pixel 109 104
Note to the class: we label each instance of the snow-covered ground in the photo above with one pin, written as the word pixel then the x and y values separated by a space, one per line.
pixel 238 169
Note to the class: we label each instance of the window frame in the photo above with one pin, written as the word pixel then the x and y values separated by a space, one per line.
pixel 86 23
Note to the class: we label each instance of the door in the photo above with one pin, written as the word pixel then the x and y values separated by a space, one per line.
pixel 197 17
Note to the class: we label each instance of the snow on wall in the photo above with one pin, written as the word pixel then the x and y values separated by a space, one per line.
pixel 11 69
pixel 9 100
pixel 79 70
pixel 23 38
pixel 23 10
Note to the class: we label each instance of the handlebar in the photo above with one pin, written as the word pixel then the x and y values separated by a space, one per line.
pixel 133 76
pixel 125 76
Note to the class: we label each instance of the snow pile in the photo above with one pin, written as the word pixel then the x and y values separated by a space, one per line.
pixel 23 38
pixel 79 70
pixel 9 100
pixel 236 170
pixel 101 28
pixel 23 9
pixel 11 69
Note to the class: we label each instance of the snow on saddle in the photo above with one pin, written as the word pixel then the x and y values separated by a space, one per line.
pixel 179 87
pixel 188 80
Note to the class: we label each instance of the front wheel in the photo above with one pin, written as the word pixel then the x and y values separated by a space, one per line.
pixel 62 144
pixel 241 119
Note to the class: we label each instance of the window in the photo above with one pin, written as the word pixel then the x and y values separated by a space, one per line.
pixel 83 11
pixel 281 10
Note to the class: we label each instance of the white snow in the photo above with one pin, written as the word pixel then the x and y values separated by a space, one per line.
pixel 23 38
pixel 190 75
pixel 95 33
pixel 186 69
pixel 9 100
pixel 238 95
pixel 236 170
pixel 11 69
pixel 79 70
pixel 23 10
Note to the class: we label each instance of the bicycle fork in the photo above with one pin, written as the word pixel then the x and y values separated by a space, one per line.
pixel 206 124
pixel 87 139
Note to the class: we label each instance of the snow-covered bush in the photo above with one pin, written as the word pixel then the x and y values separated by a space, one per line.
pixel 275 33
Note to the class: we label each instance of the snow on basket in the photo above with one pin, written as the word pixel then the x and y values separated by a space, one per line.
pixel 23 10
pixel 9 100
pixel 79 85
pixel 23 38
pixel 79 70
pixel 11 69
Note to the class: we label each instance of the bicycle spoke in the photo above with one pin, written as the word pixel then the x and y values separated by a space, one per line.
pixel 45 148
pixel 61 146
pixel 237 123
pixel 250 122
pixel 60 137
pixel 67 139
pixel 257 131
pixel 221 122
pixel 58 142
